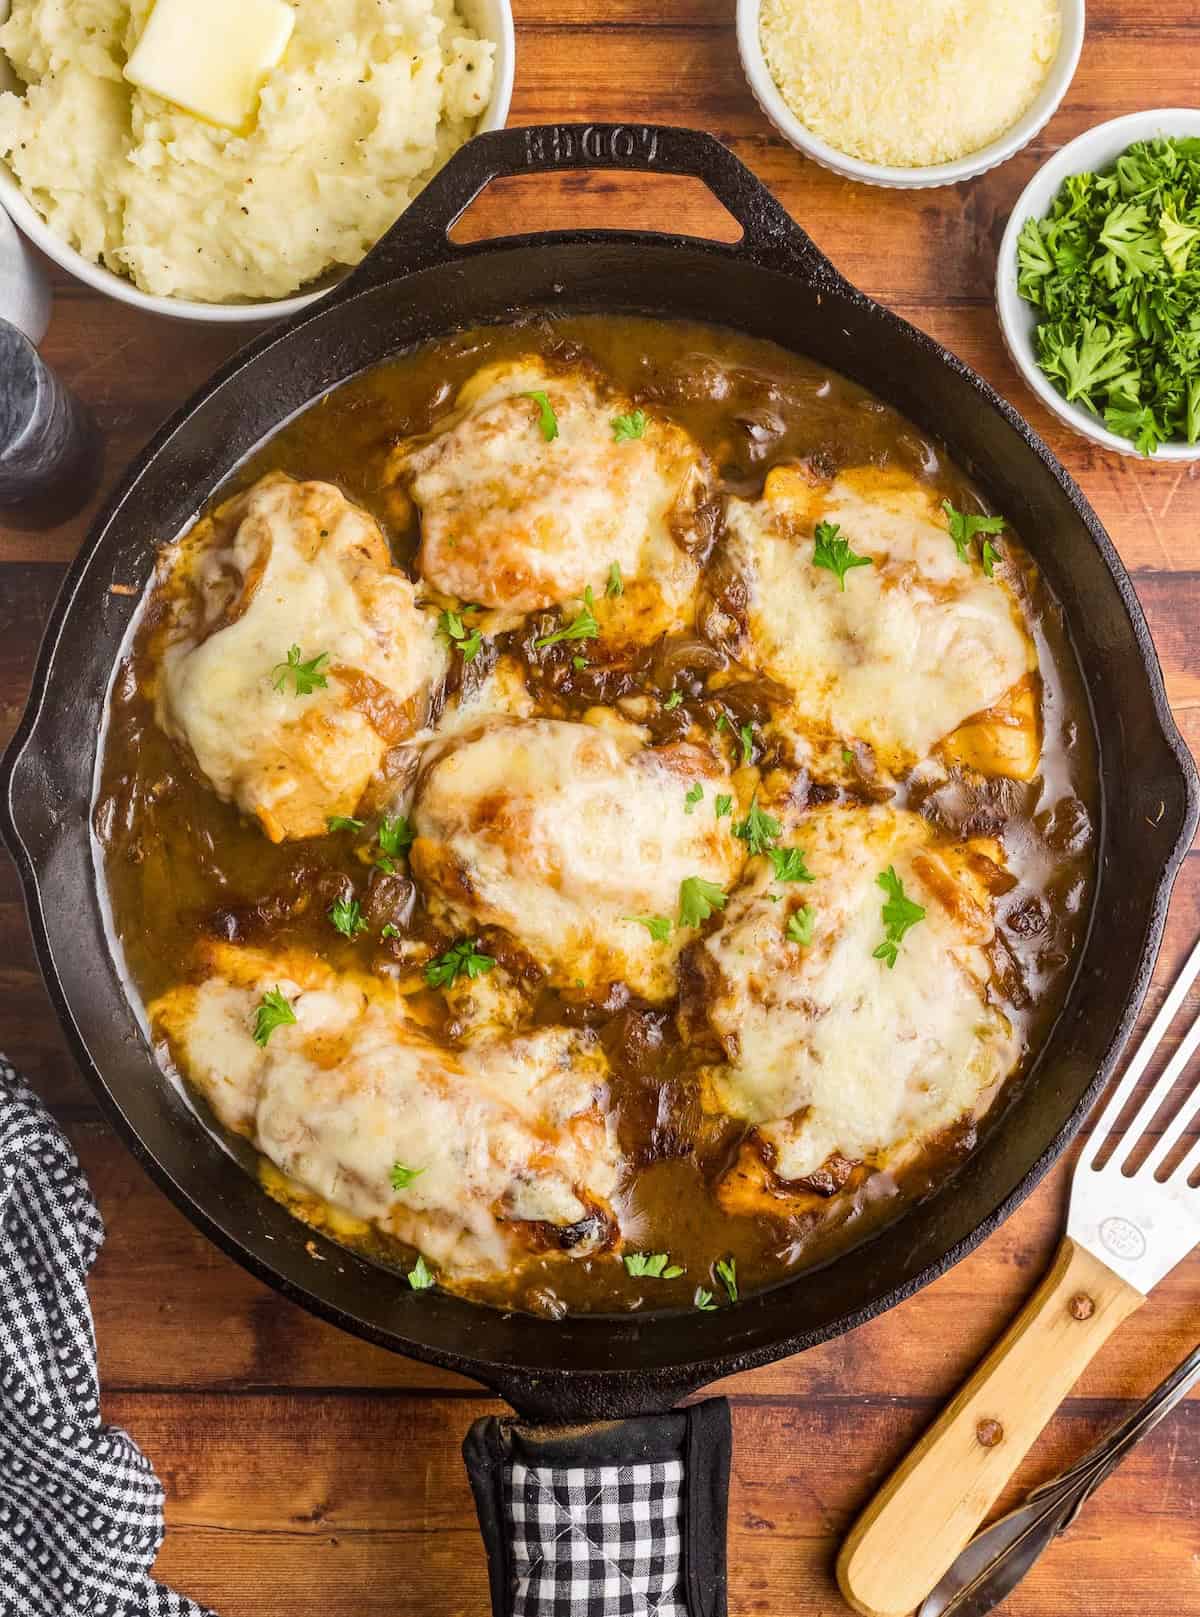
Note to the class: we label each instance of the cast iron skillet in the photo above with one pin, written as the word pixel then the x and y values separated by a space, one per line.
pixel 773 283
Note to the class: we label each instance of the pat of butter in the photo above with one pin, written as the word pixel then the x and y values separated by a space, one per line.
pixel 210 57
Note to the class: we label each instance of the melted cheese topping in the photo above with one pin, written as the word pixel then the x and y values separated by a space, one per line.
pixel 292 564
pixel 560 832
pixel 509 1136
pixel 914 645
pixel 831 1054
pixel 511 520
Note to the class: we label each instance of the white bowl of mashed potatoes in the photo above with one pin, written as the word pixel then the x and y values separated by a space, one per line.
pixel 170 212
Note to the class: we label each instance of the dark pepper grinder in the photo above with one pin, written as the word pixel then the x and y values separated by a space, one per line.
pixel 49 446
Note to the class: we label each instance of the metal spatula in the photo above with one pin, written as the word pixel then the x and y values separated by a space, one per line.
pixel 1125 1231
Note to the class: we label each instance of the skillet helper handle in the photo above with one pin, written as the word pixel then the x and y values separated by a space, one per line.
pixel 419 238
pixel 938 1496
pixel 574 1516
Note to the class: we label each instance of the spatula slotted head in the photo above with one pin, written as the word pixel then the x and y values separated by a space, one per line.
pixel 1142 1220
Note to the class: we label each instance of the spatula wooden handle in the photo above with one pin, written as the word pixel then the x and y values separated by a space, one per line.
pixel 940 1493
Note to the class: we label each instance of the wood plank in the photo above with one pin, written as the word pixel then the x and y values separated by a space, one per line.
pixel 353 1506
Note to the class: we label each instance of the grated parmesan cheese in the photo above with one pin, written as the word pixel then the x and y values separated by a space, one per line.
pixel 909 82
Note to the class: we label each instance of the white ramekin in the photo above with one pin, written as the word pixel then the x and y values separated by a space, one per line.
pixel 491 18
pixel 770 99
pixel 1093 150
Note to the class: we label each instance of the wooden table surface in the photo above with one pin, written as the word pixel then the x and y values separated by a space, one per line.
pixel 309 1475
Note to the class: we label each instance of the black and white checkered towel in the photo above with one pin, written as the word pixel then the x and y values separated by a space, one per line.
pixel 81 1511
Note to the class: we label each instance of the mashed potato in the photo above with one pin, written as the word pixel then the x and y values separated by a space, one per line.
pixel 370 99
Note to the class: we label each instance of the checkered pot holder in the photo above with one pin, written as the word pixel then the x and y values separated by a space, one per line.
pixel 81 1511
pixel 621 1519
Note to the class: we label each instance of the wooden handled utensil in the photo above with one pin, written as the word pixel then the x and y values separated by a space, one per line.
pixel 1125 1231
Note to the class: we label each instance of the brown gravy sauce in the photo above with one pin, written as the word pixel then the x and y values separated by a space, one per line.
pixel 180 864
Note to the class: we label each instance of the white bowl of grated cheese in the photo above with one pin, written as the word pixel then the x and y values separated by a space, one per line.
pixel 117 186
pixel 892 95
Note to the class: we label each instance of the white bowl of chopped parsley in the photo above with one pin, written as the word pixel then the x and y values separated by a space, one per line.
pixel 1098 284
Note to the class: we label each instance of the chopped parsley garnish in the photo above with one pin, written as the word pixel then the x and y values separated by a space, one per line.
pixel 658 926
pixel 691 797
pixel 833 552
pixel 273 1011
pixel 848 757
pixel 306 676
pixel 581 627
pixel 723 806
pixel 395 836
pixel 1114 274
pixel 629 426
pixel 655 1265
pixel 727 1275
pixel 578 663
pixel 800 926
pixel 468 641
pixel 698 898
pixel 420 1276
pixel 899 914
pixel 402 1177
pixel 673 701
pixel 746 737
pixel 346 915
pixel 722 722
pixel 547 420
pixel 704 1300
pixel 616 584
pixel 964 525
pixel 390 930
pixel 343 822
pixel 789 864
pixel 460 959
pixel 989 556
pixel 758 830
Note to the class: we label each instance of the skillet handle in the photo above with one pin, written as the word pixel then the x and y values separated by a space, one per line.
pixel 419 237
pixel 572 1514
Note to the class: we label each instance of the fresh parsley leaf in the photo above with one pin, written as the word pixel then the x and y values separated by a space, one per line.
pixel 581 627
pixel 452 627
pixel 833 552
pixel 746 737
pixel 698 898
pixel 848 757
pixel 658 926
pixel 673 700
pixel 629 426
pixel 989 555
pixel 343 822
pixel 800 926
pixel 654 1265
pixel 899 914
pixel 389 929
pixel 703 1300
pixel 723 806
pixel 460 959
pixel 616 584
pixel 722 722
pixel 789 864
pixel 579 663
pixel 691 797
pixel 758 830
pixel 727 1275
pixel 346 915
pixel 402 1177
pixel 306 676
pixel 964 525
pixel 547 420
pixel 396 836
pixel 420 1276
pixel 273 1011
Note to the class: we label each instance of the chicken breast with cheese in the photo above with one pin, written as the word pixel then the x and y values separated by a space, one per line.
pixel 478 1156
pixel 578 840
pixel 851 595
pixel 545 479
pixel 853 1012
pixel 293 656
